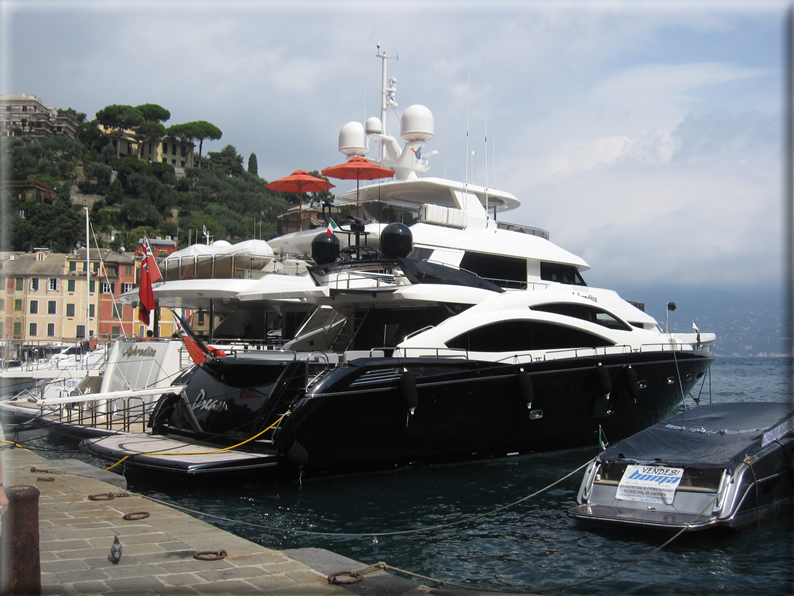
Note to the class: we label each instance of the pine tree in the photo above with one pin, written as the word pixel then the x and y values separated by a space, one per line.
pixel 252 167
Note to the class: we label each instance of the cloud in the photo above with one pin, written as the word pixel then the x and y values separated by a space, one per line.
pixel 621 126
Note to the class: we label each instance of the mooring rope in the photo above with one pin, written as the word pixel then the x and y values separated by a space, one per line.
pixel 164 451
pixel 375 534
pixel 358 574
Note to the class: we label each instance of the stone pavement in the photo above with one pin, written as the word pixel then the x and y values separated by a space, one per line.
pixel 75 535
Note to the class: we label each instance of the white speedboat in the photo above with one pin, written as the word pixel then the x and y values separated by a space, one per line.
pixel 438 333
pixel 114 391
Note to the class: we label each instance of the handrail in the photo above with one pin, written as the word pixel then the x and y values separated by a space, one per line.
pixel 224 266
pixel 345 279
pixel 31 355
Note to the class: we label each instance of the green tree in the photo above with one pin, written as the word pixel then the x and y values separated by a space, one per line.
pixel 78 117
pixel 228 160
pixel 119 118
pixel 195 131
pixel 36 228
pixel 153 113
pixel 252 165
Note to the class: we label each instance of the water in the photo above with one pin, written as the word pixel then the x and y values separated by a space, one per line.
pixel 530 544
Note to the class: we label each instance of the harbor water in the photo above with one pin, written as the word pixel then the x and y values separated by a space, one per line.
pixel 481 524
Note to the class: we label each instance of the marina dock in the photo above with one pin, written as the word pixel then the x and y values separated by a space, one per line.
pixel 76 533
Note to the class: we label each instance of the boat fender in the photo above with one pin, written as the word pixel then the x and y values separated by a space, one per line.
pixel 632 384
pixel 408 391
pixel 526 388
pixel 604 382
pixel 297 455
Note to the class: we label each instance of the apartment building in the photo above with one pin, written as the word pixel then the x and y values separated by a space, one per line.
pixel 48 297
pixel 27 116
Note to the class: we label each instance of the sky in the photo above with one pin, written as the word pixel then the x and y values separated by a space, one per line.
pixel 646 137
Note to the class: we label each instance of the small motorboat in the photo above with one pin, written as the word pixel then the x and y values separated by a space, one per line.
pixel 715 465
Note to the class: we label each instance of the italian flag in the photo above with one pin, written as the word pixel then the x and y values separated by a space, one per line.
pixel 331 227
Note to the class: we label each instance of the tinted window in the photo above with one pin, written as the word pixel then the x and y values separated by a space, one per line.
pixel 522 336
pixel 564 274
pixel 585 313
pixel 503 271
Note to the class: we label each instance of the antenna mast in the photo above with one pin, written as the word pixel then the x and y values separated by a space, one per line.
pixel 387 96
pixel 485 103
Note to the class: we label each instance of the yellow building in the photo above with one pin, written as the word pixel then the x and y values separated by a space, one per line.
pixel 174 152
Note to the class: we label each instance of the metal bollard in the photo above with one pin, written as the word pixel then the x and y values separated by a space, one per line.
pixel 20 563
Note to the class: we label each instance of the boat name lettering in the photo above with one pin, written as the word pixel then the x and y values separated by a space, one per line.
pixel 662 478
pixel 212 405
pixel 144 352
pixel 588 297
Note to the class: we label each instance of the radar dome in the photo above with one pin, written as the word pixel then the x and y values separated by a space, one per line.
pixel 221 243
pixel 417 124
pixel 396 240
pixel 352 140
pixel 325 248
pixel 374 126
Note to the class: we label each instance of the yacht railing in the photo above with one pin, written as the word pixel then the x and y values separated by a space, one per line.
pixel 503 225
pixel 226 267
pixel 112 414
pixel 453 353
pixel 360 280
pixel 599 351
pixel 33 355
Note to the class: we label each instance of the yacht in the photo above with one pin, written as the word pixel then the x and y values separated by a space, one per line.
pixel 424 331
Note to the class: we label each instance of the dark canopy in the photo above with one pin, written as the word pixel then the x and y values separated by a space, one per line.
pixel 715 435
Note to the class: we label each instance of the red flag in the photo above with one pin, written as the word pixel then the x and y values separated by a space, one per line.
pixel 195 347
pixel 146 302
pixel 148 255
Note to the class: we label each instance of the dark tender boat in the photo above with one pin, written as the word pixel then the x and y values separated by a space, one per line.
pixel 726 465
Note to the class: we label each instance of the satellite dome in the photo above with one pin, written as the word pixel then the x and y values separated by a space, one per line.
pixel 221 243
pixel 352 140
pixel 396 240
pixel 325 248
pixel 374 126
pixel 417 124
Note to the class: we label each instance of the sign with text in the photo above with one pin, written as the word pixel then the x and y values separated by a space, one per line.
pixel 649 484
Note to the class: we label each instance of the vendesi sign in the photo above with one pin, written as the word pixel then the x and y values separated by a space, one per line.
pixel 650 484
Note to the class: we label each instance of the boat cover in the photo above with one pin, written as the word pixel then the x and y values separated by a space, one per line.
pixel 708 436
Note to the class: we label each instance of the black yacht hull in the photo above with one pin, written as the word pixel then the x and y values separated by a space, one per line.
pixel 359 416
pixel 383 412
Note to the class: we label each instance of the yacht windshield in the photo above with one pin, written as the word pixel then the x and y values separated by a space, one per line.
pixel 564 274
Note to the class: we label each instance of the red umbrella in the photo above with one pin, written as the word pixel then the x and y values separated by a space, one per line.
pixel 358 168
pixel 299 181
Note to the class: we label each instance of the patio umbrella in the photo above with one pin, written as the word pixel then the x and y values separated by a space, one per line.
pixel 358 168
pixel 299 182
